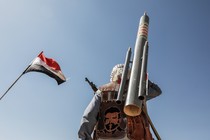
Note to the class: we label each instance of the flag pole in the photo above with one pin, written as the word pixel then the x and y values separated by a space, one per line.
pixel 14 82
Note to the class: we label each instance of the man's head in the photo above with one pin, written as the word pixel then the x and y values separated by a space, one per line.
pixel 117 72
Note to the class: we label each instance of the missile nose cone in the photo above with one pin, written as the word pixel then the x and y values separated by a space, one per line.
pixel 144 18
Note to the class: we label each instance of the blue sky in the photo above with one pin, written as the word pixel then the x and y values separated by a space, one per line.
pixel 87 38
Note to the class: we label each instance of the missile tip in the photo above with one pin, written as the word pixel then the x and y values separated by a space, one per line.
pixel 145 13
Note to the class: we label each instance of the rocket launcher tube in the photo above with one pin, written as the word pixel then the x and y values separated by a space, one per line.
pixel 143 76
pixel 124 76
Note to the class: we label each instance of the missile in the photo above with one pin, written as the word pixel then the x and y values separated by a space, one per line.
pixel 133 105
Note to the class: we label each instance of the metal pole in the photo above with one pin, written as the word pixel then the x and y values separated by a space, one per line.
pixel 14 82
pixel 150 121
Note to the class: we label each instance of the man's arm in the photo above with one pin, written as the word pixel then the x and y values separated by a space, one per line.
pixel 89 118
pixel 154 91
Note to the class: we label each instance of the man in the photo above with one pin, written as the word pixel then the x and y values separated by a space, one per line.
pixel 106 118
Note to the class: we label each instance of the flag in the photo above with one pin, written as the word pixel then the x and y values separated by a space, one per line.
pixel 47 66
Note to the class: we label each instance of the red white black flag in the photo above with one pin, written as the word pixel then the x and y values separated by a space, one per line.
pixel 47 66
